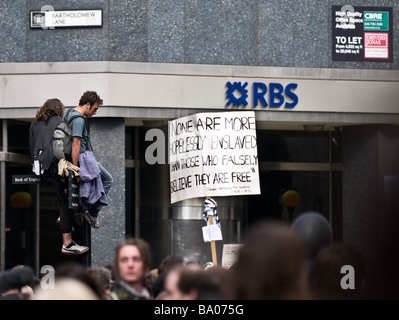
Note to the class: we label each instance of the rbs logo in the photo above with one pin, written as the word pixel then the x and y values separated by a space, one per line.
pixel 273 96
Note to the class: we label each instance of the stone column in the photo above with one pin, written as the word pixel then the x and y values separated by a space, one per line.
pixel 108 140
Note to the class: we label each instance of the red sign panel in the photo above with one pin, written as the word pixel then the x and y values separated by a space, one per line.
pixel 376 45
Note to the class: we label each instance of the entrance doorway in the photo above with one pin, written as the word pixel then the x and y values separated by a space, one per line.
pixel 308 163
pixel 312 188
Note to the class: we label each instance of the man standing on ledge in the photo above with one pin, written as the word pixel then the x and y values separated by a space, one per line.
pixel 89 103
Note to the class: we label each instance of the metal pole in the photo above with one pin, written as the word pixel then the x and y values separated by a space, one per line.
pixel 137 188
pixel 37 231
pixel 87 242
pixel 3 199
pixel 330 184
pixel 2 215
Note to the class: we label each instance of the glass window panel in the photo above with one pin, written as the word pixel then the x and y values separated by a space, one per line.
pixel 292 146
pixel 20 218
pixel 129 142
pixel 18 136
pixel 312 187
pixel 1 135
pixel 336 146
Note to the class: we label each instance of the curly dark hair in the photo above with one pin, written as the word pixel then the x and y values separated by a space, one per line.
pixel 52 107
pixel 90 97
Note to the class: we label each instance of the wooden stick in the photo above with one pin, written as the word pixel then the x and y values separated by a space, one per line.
pixel 213 245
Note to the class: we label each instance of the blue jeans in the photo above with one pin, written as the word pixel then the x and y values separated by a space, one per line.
pixel 107 181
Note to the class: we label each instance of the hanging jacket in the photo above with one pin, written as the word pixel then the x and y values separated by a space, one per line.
pixel 91 188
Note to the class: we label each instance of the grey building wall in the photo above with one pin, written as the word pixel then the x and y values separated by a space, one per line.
pixel 284 33
pixel 108 139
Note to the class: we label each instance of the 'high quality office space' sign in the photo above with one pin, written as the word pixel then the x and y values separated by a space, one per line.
pixel 362 33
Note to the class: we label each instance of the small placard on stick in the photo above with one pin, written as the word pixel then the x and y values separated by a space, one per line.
pixel 212 233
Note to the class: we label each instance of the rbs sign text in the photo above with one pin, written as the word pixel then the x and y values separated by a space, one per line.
pixel 274 95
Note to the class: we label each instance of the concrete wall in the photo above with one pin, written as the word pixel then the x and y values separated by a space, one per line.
pixel 284 33
pixel 108 139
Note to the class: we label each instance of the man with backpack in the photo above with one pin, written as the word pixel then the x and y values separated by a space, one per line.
pixel 81 155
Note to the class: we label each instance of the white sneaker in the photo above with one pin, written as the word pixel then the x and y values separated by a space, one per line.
pixel 74 249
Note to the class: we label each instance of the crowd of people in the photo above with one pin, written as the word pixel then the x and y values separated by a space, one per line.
pixel 273 264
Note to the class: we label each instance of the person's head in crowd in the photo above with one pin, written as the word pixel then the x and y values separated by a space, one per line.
pixel 66 289
pixel 17 283
pixel 194 265
pixel 315 231
pixel 111 268
pixel 169 262
pixel 338 273
pixel 132 262
pixel 271 264
pixel 77 271
pixel 225 278
pixel 103 278
pixel 186 283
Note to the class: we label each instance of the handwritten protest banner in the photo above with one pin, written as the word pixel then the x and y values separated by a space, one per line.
pixel 213 154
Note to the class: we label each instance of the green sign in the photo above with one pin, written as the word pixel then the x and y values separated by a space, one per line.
pixel 376 20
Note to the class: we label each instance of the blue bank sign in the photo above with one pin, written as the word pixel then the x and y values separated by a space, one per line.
pixel 272 95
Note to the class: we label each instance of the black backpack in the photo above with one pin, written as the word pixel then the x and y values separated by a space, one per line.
pixel 62 136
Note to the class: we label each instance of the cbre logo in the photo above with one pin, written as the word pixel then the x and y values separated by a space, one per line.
pixel 274 95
